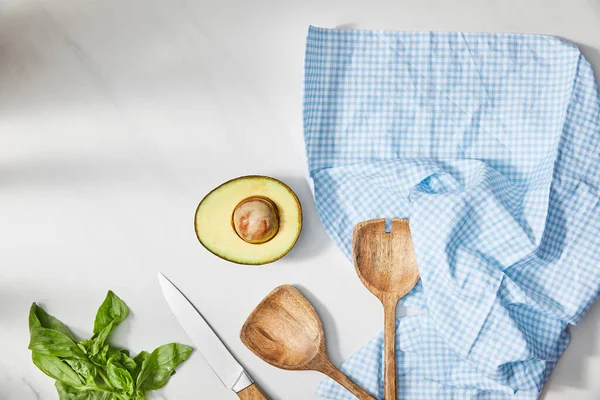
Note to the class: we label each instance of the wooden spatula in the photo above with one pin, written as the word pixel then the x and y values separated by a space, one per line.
pixel 387 266
pixel 285 331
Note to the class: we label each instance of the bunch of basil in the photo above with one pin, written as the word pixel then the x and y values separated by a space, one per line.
pixel 92 369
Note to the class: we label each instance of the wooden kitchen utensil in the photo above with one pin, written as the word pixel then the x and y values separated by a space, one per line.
pixel 285 331
pixel 387 266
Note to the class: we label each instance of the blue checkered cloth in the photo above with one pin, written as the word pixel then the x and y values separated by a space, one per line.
pixel 489 143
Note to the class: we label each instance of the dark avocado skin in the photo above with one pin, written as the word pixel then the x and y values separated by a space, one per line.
pixel 253 177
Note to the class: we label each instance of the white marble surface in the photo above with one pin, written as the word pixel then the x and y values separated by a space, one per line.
pixel 117 116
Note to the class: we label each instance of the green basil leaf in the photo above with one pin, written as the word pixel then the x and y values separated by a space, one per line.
pixel 63 391
pixel 55 368
pixel 102 355
pixel 114 353
pixel 99 340
pixel 66 392
pixel 120 378
pixel 121 356
pixel 85 345
pixel 113 310
pixel 96 346
pixel 141 357
pixel 92 369
pixel 158 367
pixel 54 343
pixel 128 362
pixel 100 358
pixel 140 396
pixel 38 318
pixel 86 370
pixel 139 361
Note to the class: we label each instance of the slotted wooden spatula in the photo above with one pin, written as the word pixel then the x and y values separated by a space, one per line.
pixel 387 266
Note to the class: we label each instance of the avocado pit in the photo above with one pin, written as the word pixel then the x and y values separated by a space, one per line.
pixel 255 220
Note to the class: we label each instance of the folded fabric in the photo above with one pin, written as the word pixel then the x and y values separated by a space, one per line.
pixel 489 144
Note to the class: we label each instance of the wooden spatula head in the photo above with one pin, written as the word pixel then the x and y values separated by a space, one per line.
pixel 385 262
pixel 284 330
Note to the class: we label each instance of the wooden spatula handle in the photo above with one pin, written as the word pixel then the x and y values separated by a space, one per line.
pixel 330 370
pixel 389 339
pixel 252 392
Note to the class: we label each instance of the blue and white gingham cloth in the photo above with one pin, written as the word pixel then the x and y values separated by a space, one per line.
pixel 489 143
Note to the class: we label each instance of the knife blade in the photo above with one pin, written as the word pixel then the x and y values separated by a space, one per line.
pixel 222 362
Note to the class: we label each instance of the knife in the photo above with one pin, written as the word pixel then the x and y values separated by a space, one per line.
pixel 229 371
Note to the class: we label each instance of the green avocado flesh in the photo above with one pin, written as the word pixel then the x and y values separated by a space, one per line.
pixel 216 230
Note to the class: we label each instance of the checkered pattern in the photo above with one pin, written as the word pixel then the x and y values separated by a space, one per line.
pixel 489 143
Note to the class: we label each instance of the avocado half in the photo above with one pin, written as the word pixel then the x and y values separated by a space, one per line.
pixel 249 220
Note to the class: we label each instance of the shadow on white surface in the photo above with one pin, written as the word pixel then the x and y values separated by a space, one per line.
pixel 331 332
pixel 68 170
pixel 570 371
pixel 571 368
pixel 348 25
pixel 593 56
pixel 313 239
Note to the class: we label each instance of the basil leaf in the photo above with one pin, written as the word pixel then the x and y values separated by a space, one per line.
pixel 120 378
pixel 66 392
pixel 98 356
pixel 98 341
pixel 38 318
pixel 140 396
pixel 139 361
pixel 86 370
pixel 102 356
pixel 160 364
pixel 128 363
pixel 92 369
pixel 121 356
pixel 54 343
pixel 112 311
pixel 84 346
pixel 141 357
pixel 55 368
